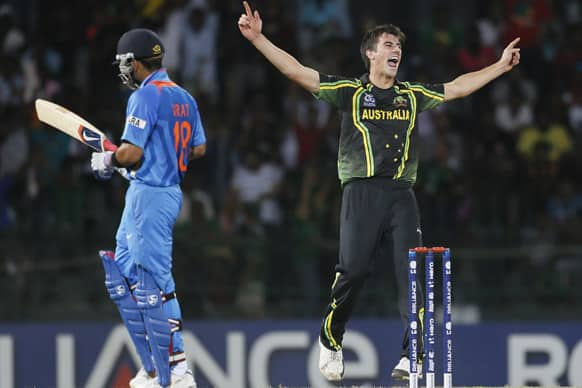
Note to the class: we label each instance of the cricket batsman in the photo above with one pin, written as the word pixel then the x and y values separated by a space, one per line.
pixel 162 132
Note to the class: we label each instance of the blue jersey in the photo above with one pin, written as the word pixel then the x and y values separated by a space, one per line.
pixel 163 120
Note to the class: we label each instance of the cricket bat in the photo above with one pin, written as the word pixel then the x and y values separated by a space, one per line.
pixel 73 125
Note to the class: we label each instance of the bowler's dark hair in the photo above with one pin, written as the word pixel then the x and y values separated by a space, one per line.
pixel 370 39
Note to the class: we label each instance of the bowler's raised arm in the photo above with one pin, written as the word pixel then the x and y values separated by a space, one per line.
pixel 250 26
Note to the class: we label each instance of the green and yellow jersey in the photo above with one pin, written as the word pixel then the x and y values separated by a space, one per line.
pixel 379 134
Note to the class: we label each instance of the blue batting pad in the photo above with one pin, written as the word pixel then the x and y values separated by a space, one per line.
pixel 120 294
pixel 149 299
pixel 172 310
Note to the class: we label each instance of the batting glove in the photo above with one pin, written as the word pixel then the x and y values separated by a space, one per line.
pixel 123 172
pixel 101 165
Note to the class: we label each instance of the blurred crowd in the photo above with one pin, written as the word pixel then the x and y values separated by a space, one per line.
pixel 258 231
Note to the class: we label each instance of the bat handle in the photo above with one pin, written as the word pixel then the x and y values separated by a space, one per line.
pixel 109 146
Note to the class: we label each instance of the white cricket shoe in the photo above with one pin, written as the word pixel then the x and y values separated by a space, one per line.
pixel 402 369
pixel 177 381
pixel 184 381
pixel 331 363
pixel 141 380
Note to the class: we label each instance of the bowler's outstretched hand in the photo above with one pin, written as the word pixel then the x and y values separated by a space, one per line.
pixel 250 23
pixel 510 56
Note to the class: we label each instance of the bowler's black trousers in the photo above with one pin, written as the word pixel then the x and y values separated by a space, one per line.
pixel 376 212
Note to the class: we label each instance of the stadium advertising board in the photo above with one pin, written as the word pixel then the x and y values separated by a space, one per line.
pixel 241 354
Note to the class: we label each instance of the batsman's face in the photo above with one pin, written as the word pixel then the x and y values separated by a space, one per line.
pixel 387 56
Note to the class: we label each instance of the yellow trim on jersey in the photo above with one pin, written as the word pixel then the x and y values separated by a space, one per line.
pixel 425 91
pixel 362 128
pixel 338 84
pixel 408 133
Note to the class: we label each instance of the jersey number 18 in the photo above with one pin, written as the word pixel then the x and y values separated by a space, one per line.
pixel 182 134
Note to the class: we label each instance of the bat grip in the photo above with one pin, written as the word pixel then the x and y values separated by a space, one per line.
pixel 109 146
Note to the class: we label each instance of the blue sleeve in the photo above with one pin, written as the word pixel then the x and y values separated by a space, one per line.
pixel 141 116
pixel 198 135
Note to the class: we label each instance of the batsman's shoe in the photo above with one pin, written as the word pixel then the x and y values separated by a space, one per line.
pixel 141 380
pixel 402 369
pixel 177 381
pixel 184 381
pixel 331 363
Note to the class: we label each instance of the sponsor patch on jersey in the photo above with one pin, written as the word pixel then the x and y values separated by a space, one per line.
pixel 136 122
pixel 369 100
